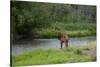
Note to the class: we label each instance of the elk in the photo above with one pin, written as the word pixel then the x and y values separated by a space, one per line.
pixel 63 38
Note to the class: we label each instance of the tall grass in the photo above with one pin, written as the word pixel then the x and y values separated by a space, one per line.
pixel 73 29
pixel 55 56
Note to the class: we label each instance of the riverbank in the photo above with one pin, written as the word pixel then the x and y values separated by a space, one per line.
pixel 72 29
pixel 54 56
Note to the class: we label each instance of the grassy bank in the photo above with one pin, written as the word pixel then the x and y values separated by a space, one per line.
pixel 55 56
pixel 73 29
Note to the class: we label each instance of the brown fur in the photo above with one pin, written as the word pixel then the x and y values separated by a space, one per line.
pixel 63 38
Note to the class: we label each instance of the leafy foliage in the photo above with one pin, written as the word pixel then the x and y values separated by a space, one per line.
pixel 29 16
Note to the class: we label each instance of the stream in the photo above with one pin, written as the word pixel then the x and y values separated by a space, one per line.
pixel 23 46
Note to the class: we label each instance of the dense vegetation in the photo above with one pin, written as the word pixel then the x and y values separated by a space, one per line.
pixel 54 56
pixel 46 19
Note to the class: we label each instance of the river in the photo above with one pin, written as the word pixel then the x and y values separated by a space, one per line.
pixel 23 46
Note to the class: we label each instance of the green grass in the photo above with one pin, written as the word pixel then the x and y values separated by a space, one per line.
pixel 54 56
pixel 73 29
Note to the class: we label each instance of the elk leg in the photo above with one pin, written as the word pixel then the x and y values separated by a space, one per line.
pixel 61 44
pixel 66 43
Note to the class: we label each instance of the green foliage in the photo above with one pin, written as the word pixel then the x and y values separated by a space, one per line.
pixel 73 29
pixel 28 16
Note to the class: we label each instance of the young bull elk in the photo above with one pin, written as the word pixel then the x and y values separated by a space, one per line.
pixel 63 38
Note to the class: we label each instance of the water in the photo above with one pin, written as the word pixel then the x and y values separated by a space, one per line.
pixel 23 46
